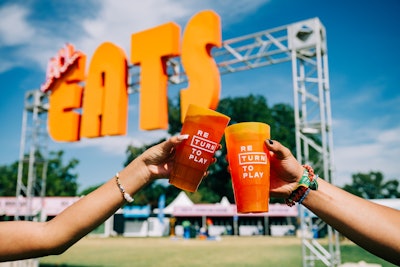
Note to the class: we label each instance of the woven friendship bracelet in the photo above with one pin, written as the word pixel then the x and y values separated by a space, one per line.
pixel 307 181
pixel 311 176
pixel 304 196
pixel 126 196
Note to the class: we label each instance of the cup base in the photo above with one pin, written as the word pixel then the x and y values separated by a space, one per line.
pixel 252 199
pixel 184 184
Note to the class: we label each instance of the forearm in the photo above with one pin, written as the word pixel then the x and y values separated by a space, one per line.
pixel 372 226
pixel 86 214
pixel 26 239
pixel 81 218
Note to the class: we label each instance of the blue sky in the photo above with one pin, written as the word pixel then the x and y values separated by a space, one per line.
pixel 363 50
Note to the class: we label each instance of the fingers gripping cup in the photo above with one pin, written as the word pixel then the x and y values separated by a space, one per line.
pixel 249 165
pixel 205 128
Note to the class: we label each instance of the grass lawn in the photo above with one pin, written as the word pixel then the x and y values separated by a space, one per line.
pixel 229 251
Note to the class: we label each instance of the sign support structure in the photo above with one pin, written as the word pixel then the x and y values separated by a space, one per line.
pixel 32 164
pixel 33 158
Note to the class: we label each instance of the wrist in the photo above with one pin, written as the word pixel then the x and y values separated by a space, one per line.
pixel 300 173
pixel 297 177
pixel 294 185
pixel 306 182
pixel 137 173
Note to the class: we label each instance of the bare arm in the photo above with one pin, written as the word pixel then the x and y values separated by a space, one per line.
pixel 374 227
pixel 26 239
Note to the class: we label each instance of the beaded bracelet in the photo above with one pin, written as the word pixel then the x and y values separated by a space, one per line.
pixel 307 181
pixel 127 197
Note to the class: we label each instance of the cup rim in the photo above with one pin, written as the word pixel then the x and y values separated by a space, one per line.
pixel 247 126
pixel 207 110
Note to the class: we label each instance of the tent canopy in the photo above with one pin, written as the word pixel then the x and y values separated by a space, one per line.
pixel 182 200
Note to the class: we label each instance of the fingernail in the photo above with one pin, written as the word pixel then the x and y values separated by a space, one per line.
pixel 183 137
pixel 270 141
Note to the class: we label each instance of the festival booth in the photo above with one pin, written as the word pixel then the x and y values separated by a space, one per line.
pixel 222 218
pixel 139 221
pixel 46 207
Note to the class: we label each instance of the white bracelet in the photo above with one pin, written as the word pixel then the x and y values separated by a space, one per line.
pixel 127 197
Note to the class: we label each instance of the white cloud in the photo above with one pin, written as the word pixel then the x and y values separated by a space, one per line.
pixel 382 154
pixel 14 27
pixel 26 44
pixel 15 32
pixel 116 145
pixel 34 44
pixel 117 20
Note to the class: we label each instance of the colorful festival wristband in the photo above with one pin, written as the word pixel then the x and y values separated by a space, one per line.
pixel 308 181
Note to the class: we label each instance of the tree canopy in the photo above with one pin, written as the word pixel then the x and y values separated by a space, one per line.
pixel 372 185
pixel 61 181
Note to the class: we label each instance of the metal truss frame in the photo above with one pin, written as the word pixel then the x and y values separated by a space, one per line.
pixel 33 155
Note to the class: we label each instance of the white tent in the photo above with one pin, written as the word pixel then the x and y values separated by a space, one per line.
pixel 393 203
pixel 224 202
pixel 182 200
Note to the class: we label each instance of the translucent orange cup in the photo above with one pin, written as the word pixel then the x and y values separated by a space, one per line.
pixel 205 128
pixel 249 165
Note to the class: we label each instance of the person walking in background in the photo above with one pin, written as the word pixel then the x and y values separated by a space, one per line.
pixel 186 229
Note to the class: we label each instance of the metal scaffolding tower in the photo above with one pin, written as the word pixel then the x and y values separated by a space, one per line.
pixel 313 120
pixel 304 44
pixel 32 165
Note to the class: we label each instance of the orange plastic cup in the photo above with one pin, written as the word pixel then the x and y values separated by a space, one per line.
pixel 249 165
pixel 205 128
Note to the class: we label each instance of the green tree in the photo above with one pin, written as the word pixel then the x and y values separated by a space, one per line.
pixel 60 179
pixel 372 185
pixel 174 117
pixel 8 179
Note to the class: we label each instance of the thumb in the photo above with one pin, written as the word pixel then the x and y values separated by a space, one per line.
pixel 171 142
pixel 280 151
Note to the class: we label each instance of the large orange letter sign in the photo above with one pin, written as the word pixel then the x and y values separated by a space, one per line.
pixel 202 33
pixel 104 100
pixel 150 49
pixel 105 105
pixel 66 95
